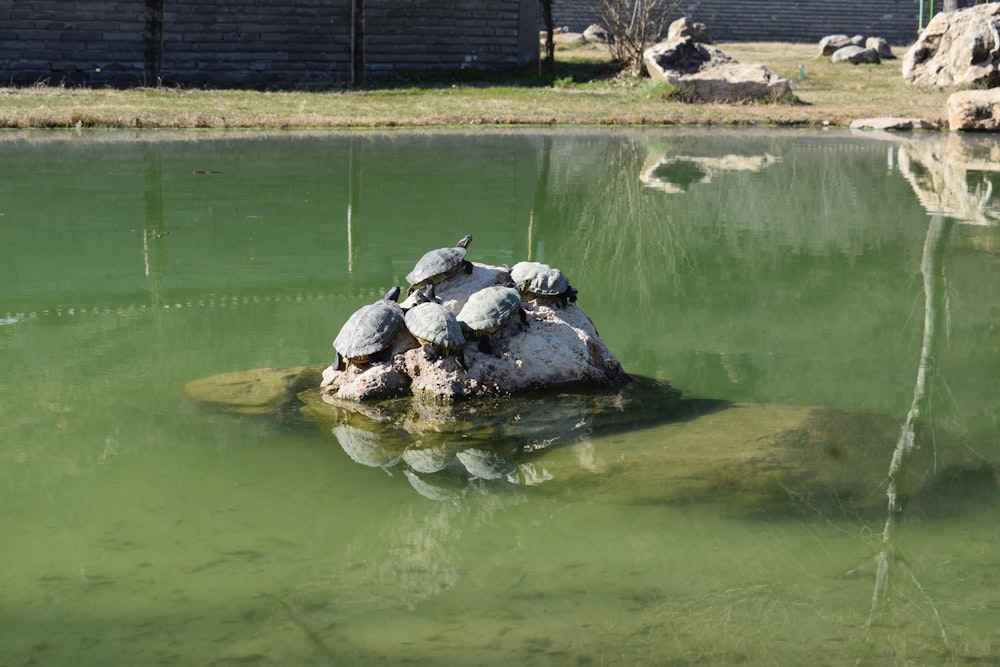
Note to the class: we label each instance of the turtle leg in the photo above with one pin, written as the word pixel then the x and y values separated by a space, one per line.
pixel 523 316
pixel 341 363
pixel 467 266
pixel 460 359
pixel 430 354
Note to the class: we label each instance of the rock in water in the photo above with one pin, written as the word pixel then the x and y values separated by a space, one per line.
pixel 256 392
pixel 559 348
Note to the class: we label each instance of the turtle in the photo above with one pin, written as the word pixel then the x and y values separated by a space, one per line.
pixel 487 311
pixel 369 331
pixel 535 279
pixel 437 329
pixel 437 265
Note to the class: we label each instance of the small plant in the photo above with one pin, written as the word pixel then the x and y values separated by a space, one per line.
pixel 663 91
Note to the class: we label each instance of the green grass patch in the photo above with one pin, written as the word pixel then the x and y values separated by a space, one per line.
pixel 585 88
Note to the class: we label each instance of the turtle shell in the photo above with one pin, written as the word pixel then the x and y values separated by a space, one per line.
pixel 432 323
pixel 437 265
pixel 489 309
pixel 538 278
pixel 370 329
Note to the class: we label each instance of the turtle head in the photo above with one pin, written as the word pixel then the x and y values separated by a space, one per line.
pixel 507 268
pixel 393 294
pixel 464 241
pixel 425 295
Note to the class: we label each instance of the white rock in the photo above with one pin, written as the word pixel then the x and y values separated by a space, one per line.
pixel 559 347
pixel 975 110
pixel 960 48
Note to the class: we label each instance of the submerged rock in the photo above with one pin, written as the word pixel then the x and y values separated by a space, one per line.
pixel 489 440
pixel 259 391
pixel 638 443
pixel 642 444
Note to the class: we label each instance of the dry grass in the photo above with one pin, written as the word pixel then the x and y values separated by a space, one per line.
pixel 582 93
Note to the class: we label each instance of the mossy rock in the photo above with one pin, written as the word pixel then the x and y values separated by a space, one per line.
pixel 259 391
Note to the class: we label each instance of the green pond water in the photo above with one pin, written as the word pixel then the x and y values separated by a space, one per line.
pixel 760 273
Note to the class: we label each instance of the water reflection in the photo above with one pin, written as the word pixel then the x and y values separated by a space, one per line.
pixel 954 176
pixel 675 174
pixel 442 447
pixel 889 557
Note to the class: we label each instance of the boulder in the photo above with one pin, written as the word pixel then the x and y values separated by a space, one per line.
pixel 696 31
pixel 855 55
pixel 597 34
pixel 960 48
pixel 558 347
pixel 672 59
pixel 733 82
pixel 833 43
pixel 881 47
pixel 975 110
pixel 706 74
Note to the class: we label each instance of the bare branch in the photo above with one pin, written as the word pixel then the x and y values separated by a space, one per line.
pixel 635 25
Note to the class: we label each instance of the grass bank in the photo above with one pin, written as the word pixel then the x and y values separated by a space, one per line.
pixel 582 92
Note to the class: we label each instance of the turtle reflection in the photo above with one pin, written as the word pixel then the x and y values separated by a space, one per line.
pixel 446 450
pixel 365 447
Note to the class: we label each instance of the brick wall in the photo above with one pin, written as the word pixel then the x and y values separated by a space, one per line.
pixel 84 41
pixel 463 34
pixel 305 42
pixel 779 20
pixel 256 42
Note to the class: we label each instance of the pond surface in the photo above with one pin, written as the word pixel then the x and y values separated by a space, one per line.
pixel 771 272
